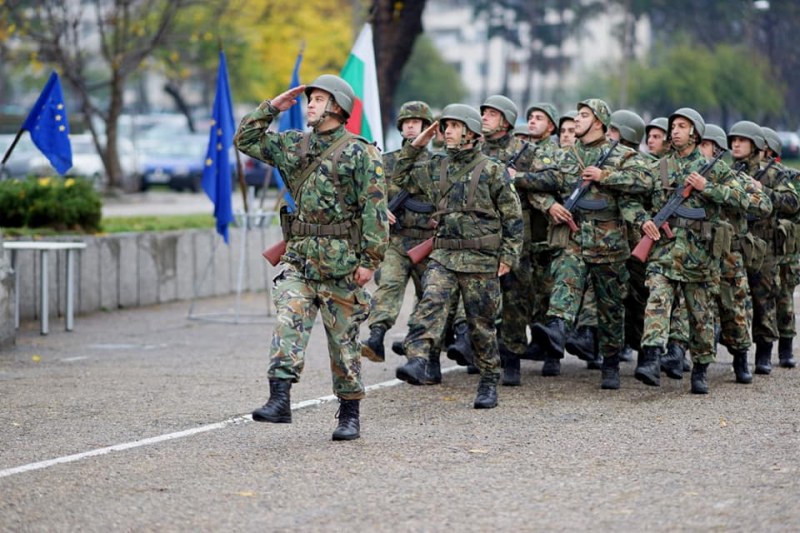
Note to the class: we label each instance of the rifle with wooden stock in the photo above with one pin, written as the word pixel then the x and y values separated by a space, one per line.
pixel 643 248
pixel 419 252
pixel 583 186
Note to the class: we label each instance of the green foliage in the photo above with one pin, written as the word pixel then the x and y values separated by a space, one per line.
pixel 60 204
pixel 428 77
pixel 156 223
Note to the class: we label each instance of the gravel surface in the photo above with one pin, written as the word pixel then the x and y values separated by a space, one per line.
pixel 557 454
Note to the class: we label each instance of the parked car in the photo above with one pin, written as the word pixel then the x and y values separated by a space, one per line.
pixel 790 144
pixel 86 162
pixel 18 164
pixel 176 162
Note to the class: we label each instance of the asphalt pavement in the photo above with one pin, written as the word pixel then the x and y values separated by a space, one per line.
pixel 139 421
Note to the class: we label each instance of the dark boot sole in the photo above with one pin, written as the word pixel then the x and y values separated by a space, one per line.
pixel 762 371
pixel 484 405
pixel 371 354
pixel 786 363
pixel 397 347
pixel 647 379
pixel 744 380
pixel 457 356
pixel 402 375
pixel 346 437
pixel 274 419
pixel 609 386
pixel 699 390
pixel 512 381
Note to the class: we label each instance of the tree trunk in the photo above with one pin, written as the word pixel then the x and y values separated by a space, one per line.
pixel 396 26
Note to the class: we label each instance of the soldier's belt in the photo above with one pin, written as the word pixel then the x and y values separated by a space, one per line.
pixel 415 233
pixel 417 206
pixel 699 226
pixel 596 216
pixel 304 229
pixel 487 242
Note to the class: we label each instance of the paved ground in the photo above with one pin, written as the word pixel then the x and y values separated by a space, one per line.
pixel 557 454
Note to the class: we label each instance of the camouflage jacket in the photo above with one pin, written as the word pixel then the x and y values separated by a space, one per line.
pixel 360 173
pixel 414 218
pixel 506 148
pixel 495 211
pixel 602 235
pixel 689 256
pixel 543 155
pixel 779 186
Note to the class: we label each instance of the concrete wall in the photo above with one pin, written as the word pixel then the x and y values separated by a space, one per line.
pixel 136 269
pixel 7 332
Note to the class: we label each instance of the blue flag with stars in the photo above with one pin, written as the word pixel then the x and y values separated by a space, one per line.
pixel 217 170
pixel 291 119
pixel 48 125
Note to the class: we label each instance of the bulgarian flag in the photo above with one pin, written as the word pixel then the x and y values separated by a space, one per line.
pixel 360 73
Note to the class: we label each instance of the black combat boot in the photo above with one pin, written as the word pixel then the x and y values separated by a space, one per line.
pixel 648 370
pixel 278 408
pixel 672 361
pixel 372 348
pixel 610 372
pixel 551 336
pixel 763 357
pixel 349 427
pixel 700 378
pixel 582 342
pixel 627 354
pixel 686 364
pixel 472 369
pixel 461 349
pixel 533 352
pixel 740 367
pixel 785 355
pixel 487 395
pixel 511 374
pixel 399 348
pixel 551 368
pixel 596 363
pixel 434 368
pixel 415 371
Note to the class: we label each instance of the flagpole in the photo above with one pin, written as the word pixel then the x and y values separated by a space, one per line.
pixel 11 149
pixel 239 172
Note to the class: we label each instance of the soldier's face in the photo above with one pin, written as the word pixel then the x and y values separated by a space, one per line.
pixel 656 141
pixel 539 126
pixel 707 148
pixel 453 129
pixel 583 122
pixel 317 104
pixel 411 128
pixel 566 135
pixel 491 119
pixel 681 132
pixel 741 147
pixel 613 134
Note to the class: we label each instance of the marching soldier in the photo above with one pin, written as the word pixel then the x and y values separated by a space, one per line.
pixel 566 130
pixel 478 240
pixel 334 241
pixel 656 132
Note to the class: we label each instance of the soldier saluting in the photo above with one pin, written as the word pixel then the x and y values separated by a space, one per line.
pixel 336 239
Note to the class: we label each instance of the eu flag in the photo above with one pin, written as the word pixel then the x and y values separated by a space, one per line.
pixel 292 119
pixel 48 125
pixel 217 171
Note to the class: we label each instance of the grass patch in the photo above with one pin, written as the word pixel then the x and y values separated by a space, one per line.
pixel 156 223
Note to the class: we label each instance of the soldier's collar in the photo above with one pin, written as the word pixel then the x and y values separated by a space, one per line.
pixel 330 135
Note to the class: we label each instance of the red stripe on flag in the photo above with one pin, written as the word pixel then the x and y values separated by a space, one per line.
pixel 354 124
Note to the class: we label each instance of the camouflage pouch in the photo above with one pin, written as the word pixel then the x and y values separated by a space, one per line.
pixel 286 219
pixel 754 250
pixel 558 236
pixel 796 238
pixel 722 236
pixel 785 238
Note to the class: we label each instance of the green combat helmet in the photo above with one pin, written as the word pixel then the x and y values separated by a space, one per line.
pixel 415 109
pixel 630 125
pixel 716 135
pixel 463 113
pixel 504 105
pixel 658 122
pixel 748 130
pixel 546 108
pixel 692 116
pixel 569 115
pixel 773 140
pixel 522 130
pixel 600 109
pixel 339 89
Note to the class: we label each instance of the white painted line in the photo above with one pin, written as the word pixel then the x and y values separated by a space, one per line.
pixel 180 434
pixel 73 359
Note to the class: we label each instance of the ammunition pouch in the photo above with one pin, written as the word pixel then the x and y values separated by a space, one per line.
pixel 416 233
pixel 785 238
pixel 286 219
pixel 753 249
pixel 536 224
pixel 487 242
pixel 558 236
pixel 722 238
pixel 705 229
pixel 347 229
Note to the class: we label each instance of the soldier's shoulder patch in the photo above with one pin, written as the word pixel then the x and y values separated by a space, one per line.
pixel 379 170
pixel 546 160
pixel 735 183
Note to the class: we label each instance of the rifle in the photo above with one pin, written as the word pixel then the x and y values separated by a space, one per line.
pixel 398 201
pixel 582 186
pixel 424 249
pixel 643 248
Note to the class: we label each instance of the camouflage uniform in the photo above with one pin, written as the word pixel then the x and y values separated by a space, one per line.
pixel 471 240
pixel 790 278
pixel 318 269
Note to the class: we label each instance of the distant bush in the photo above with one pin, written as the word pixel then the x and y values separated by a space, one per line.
pixel 61 204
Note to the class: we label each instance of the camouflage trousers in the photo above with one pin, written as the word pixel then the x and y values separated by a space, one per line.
pixel 516 313
pixel 442 288
pixel 587 314
pixel 392 277
pixel 344 306
pixel 734 304
pixel 698 298
pixel 570 277
pixel 790 278
pixel 679 322
pixel 765 286
pixel 541 283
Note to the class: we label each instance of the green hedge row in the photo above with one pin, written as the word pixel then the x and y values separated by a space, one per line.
pixel 70 204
